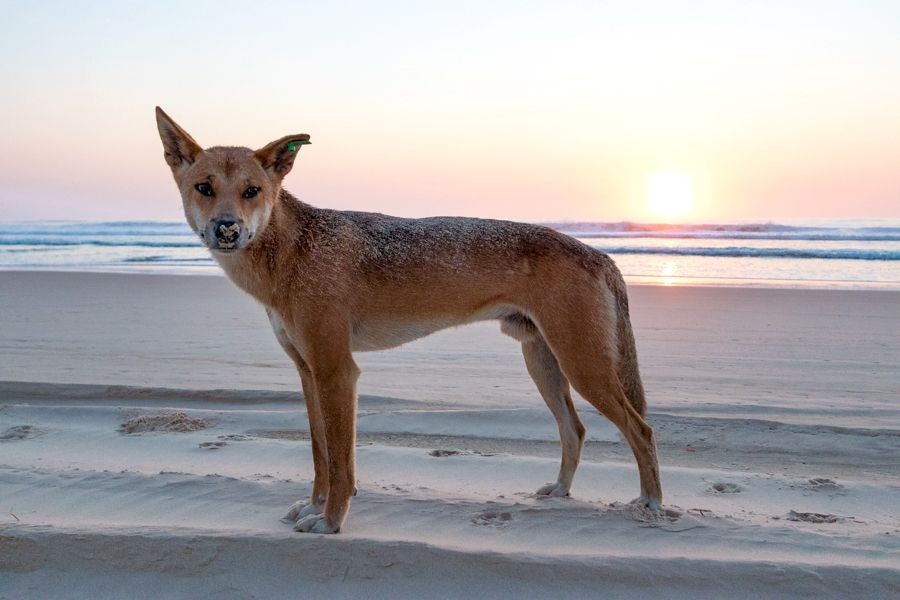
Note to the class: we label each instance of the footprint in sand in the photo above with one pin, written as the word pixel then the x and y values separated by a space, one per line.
pixel 177 421
pixel 20 432
pixel 212 445
pixel 223 441
pixel 638 512
pixel 492 518
pixel 811 517
pixel 440 453
pixel 725 488
pixel 823 484
pixel 236 437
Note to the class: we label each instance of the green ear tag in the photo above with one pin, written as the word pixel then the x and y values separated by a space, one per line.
pixel 293 145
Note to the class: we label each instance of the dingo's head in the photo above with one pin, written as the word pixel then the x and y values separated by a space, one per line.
pixel 228 192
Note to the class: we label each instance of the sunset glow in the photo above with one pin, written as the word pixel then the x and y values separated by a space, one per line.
pixel 420 109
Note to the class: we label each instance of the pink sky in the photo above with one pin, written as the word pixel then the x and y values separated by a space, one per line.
pixel 517 110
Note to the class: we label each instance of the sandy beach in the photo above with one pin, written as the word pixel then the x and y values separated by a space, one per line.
pixel 152 433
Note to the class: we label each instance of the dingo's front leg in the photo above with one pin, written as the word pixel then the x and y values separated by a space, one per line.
pixel 335 381
pixel 316 502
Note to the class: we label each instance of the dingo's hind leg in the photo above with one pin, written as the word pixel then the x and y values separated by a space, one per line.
pixel 554 388
pixel 588 356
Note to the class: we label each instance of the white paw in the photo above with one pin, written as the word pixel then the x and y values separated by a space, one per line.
pixel 311 509
pixel 555 490
pixel 300 509
pixel 315 524
pixel 652 503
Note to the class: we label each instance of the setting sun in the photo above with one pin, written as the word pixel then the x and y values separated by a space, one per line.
pixel 670 193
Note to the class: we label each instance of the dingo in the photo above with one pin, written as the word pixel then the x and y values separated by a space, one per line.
pixel 336 282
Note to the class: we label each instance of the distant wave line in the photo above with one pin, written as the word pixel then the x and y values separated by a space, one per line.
pixel 124 228
pixel 85 232
pixel 588 227
pixel 102 243
pixel 731 251
pixel 745 252
pixel 811 236
pixel 715 235
pixel 167 259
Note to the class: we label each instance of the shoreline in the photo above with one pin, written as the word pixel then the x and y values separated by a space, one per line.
pixel 631 280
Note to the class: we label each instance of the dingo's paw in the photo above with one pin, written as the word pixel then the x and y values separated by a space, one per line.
pixel 653 504
pixel 554 490
pixel 315 524
pixel 302 508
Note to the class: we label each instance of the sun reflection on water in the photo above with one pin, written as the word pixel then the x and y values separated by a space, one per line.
pixel 669 273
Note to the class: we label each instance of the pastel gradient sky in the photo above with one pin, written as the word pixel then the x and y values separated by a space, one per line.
pixel 521 110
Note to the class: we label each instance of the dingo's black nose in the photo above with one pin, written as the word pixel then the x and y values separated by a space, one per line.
pixel 227 231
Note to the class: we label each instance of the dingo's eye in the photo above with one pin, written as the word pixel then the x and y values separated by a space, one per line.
pixel 204 188
pixel 251 192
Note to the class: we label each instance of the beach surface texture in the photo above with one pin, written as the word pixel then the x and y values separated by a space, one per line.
pixel 152 434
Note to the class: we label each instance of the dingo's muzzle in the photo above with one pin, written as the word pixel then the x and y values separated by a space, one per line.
pixel 226 234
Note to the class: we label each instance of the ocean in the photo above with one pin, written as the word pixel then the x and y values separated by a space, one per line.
pixel 822 254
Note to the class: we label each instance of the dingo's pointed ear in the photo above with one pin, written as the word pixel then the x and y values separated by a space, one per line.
pixel 278 157
pixel 180 148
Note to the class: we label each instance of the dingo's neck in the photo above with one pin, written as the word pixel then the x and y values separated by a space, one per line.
pixel 254 268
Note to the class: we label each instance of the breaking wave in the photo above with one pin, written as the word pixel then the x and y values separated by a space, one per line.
pixel 739 251
pixel 742 231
